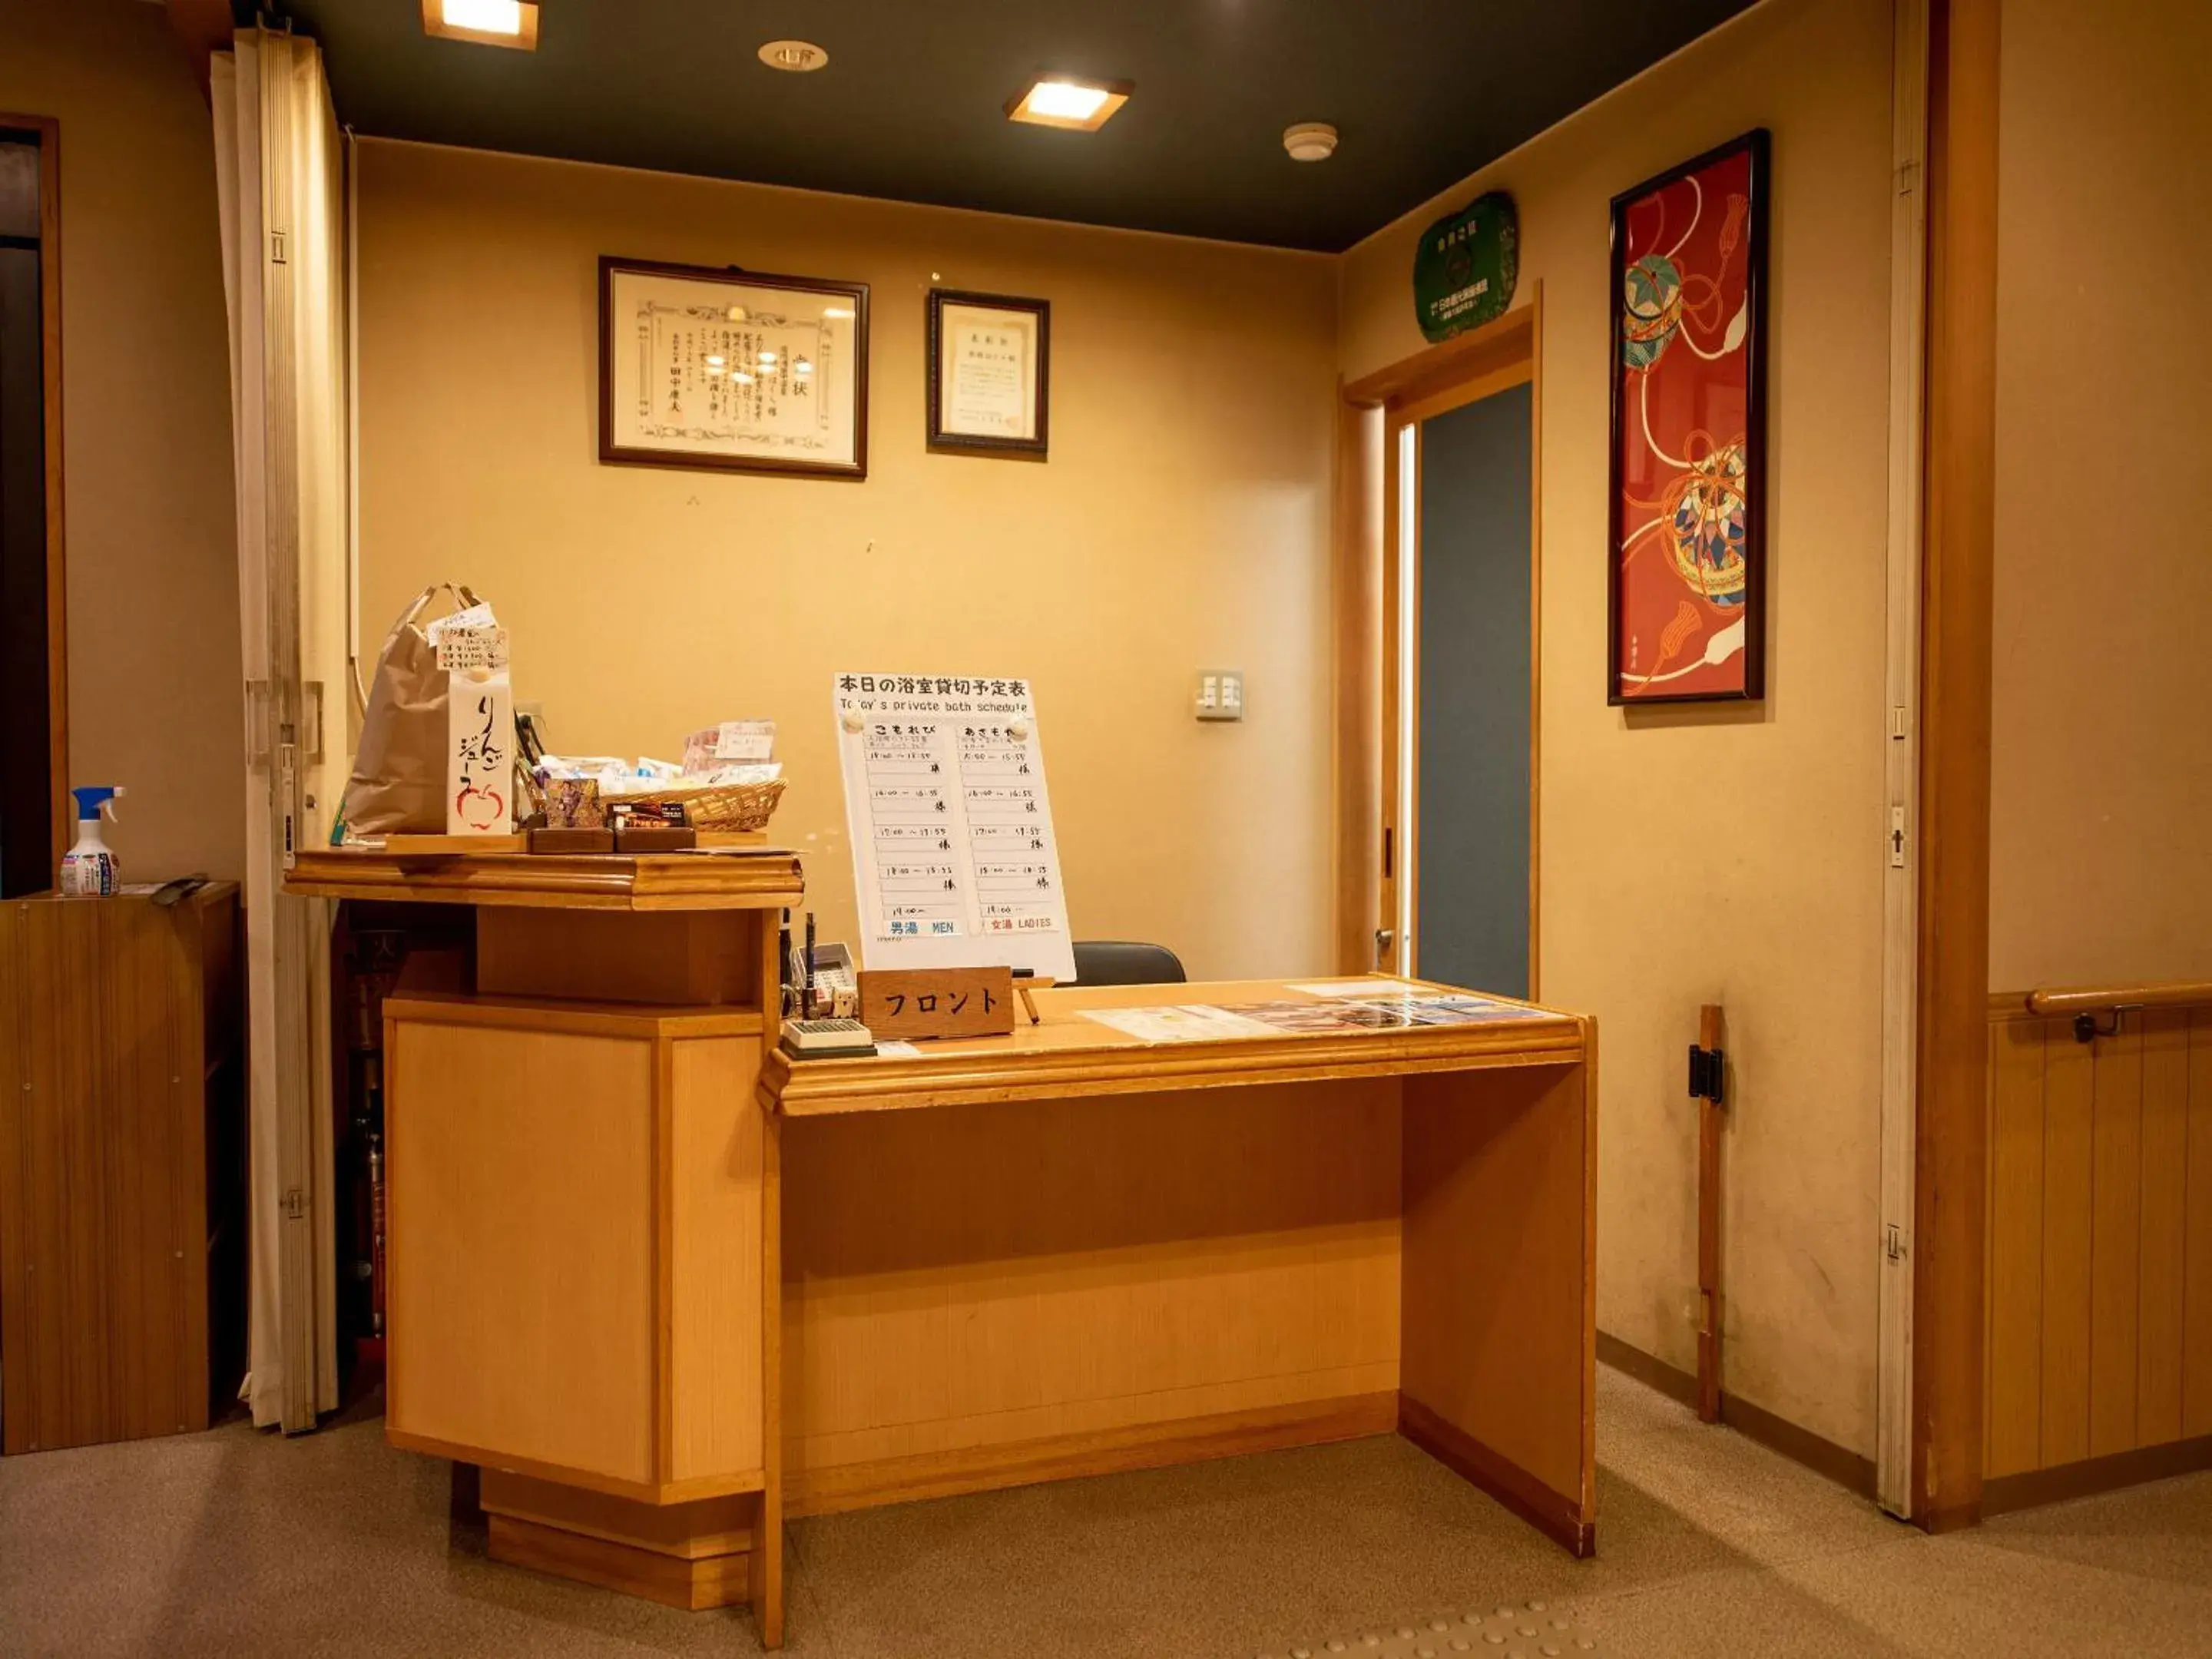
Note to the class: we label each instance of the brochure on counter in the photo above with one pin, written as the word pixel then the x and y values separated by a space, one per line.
pixel 1202 1022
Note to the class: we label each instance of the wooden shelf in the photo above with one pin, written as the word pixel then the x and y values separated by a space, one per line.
pixel 572 1016
pixel 765 879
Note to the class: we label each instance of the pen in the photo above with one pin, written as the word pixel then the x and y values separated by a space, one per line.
pixel 783 955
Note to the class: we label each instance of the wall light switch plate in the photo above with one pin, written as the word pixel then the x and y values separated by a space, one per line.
pixel 1219 695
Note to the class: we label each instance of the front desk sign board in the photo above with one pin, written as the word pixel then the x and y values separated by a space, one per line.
pixel 905 1003
pixel 954 859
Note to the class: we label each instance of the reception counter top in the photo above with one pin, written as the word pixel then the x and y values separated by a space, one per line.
pixel 1069 1053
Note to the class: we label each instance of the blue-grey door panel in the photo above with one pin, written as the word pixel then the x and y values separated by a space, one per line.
pixel 1472 835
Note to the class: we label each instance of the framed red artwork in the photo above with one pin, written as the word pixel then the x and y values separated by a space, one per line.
pixel 1686 606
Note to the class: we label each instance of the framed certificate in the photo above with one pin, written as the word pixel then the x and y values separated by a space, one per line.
pixel 733 370
pixel 989 373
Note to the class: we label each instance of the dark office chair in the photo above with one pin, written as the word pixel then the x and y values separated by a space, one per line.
pixel 1118 962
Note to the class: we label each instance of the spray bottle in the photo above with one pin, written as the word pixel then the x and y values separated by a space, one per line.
pixel 89 870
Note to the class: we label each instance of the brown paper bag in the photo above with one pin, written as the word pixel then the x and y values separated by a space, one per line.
pixel 398 781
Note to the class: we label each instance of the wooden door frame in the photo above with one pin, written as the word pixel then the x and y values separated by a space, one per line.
pixel 1375 851
pixel 1900 939
pixel 1950 1200
pixel 50 369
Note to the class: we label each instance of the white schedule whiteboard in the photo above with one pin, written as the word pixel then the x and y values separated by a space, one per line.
pixel 954 859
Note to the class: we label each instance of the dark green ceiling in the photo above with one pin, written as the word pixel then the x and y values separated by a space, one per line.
pixel 1424 92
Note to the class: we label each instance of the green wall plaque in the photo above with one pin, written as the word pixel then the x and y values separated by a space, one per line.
pixel 1465 265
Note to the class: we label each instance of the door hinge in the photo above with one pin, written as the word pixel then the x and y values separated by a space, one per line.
pixel 276 247
pixel 1892 1242
pixel 1389 847
pixel 295 1204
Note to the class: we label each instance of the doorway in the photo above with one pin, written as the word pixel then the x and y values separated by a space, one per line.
pixel 33 746
pixel 1459 888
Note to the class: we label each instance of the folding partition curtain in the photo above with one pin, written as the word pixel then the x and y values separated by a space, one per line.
pixel 281 193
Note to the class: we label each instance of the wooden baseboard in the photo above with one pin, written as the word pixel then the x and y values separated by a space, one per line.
pixel 1071 1457
pixel 2032 1487
pixel 1800 1445
pixel 1653 1372
pixel 718 1581
pixel 1555 1514
pixel 718 1526
pixel 1957 1518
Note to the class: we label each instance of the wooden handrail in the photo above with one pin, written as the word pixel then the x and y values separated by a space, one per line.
pixel 2093 999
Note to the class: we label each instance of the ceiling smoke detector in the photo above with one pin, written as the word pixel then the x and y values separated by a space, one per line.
pixel 798 57
pixel 1311 141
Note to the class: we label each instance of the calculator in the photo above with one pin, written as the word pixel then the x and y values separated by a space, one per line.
pixel 827 1039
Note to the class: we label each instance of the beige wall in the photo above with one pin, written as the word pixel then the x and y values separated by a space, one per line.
pixel 152 586
pixel 1721 854
pixel 2101 771
pixel 1182 520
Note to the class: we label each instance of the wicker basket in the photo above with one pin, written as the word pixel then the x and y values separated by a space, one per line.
pixel 721 806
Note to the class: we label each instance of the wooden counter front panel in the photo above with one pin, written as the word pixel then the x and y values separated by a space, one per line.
pixel 1500 1273
pixel 521 1247
pixel 714 1371
pixel 965 1279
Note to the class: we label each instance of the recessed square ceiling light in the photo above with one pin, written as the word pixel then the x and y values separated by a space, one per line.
pixel 1063 101
pixel 487 22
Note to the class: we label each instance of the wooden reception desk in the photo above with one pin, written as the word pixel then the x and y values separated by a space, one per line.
pixel 667 1287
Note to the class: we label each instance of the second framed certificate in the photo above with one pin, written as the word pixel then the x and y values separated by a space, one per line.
pixel 989 373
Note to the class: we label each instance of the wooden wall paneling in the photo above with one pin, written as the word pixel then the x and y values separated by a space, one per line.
pixel 2099 1246
pixel 529 1156
pixel 2016 1148
pixel 1949 1237
pixel 2115 1236
pixel 1497 1169
pixel 2196 1246
pixel 2165 1190
pixel 2069 1205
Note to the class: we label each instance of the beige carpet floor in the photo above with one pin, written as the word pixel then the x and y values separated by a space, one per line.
pixel 234 1542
